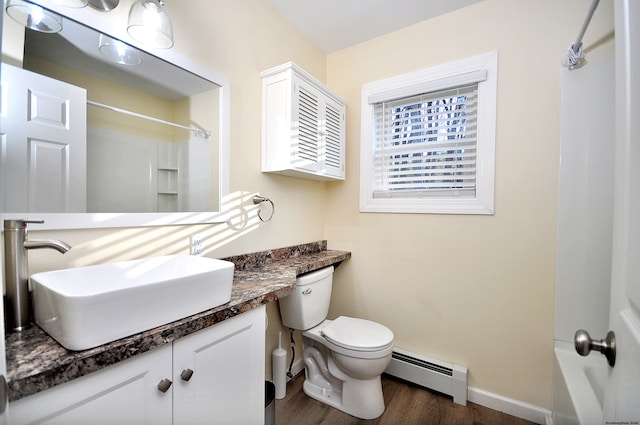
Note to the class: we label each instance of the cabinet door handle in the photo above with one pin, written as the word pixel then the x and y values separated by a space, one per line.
pixel 186 374
pixel 164 385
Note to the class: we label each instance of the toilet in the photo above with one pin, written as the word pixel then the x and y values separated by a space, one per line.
pixel 343 358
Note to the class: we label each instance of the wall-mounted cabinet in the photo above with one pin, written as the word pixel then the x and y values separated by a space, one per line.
pixel 213 376
pixel 303 125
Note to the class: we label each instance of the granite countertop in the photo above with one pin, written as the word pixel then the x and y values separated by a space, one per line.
pixel 36 362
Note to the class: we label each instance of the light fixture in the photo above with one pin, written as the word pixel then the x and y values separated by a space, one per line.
pixel 119 52
pixel 150 25
pixel 71 3
pixel 104 5
pixel 33 16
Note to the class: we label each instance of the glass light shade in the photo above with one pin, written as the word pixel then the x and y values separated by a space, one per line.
pixel 34 17
pixel 150 25
pixel 71 3
pixel 119 52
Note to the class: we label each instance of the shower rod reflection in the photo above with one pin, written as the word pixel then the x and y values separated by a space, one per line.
pixel 197 132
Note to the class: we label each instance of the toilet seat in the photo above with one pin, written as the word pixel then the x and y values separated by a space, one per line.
pixel 357 334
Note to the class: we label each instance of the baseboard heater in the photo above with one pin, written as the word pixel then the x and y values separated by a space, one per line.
pixel 446 378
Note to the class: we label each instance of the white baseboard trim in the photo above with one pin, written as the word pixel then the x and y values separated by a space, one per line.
pixel 509 406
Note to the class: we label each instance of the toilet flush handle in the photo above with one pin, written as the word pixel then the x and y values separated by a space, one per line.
pixel 306 291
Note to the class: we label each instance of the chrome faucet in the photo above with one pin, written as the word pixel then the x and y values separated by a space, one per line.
pixel 16 270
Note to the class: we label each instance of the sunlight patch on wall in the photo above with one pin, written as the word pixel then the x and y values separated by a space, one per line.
pixel 241 218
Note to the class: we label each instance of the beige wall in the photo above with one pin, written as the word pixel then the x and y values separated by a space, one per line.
pixel 492 312
pixel 475 290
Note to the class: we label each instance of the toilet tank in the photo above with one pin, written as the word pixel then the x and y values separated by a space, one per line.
pixel 309 304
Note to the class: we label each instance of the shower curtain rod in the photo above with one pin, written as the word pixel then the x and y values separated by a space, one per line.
pixel 578 42
pixel 198 132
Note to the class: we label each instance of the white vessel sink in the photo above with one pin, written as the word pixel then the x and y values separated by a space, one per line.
pixel 85 307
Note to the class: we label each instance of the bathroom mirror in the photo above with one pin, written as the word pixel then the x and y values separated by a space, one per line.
pixel 143 165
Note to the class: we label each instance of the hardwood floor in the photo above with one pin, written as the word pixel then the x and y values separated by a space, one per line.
pixel 406 404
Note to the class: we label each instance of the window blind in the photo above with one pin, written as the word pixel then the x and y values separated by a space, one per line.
pixel 425 145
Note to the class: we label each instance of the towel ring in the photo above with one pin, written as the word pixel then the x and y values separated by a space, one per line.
pixel 257 199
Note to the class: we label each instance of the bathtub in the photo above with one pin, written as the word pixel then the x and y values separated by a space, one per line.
pixel 578 386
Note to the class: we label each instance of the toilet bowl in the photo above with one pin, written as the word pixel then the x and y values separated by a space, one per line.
pixel 361 348
pixel 344 357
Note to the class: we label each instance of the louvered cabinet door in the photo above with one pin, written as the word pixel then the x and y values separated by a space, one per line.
pixel 333 139
pixel 319 147
pixel 306 143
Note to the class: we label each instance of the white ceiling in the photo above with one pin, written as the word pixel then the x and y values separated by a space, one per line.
pixel 336 24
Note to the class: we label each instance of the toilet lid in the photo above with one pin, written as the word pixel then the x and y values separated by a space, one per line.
pixel 358 334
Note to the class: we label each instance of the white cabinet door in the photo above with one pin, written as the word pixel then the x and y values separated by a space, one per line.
pixel 43 145
pixel 227 384
pixel 319 126
pixel 123 394
pixel 333 138
pixel 305 143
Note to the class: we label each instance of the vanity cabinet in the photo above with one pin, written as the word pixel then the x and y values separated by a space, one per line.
pixel 303 125
pixel 216 376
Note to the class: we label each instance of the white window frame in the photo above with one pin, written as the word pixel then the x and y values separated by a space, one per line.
pixel 428 80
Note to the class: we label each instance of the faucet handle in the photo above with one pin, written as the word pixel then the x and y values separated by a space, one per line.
pixel 17 224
